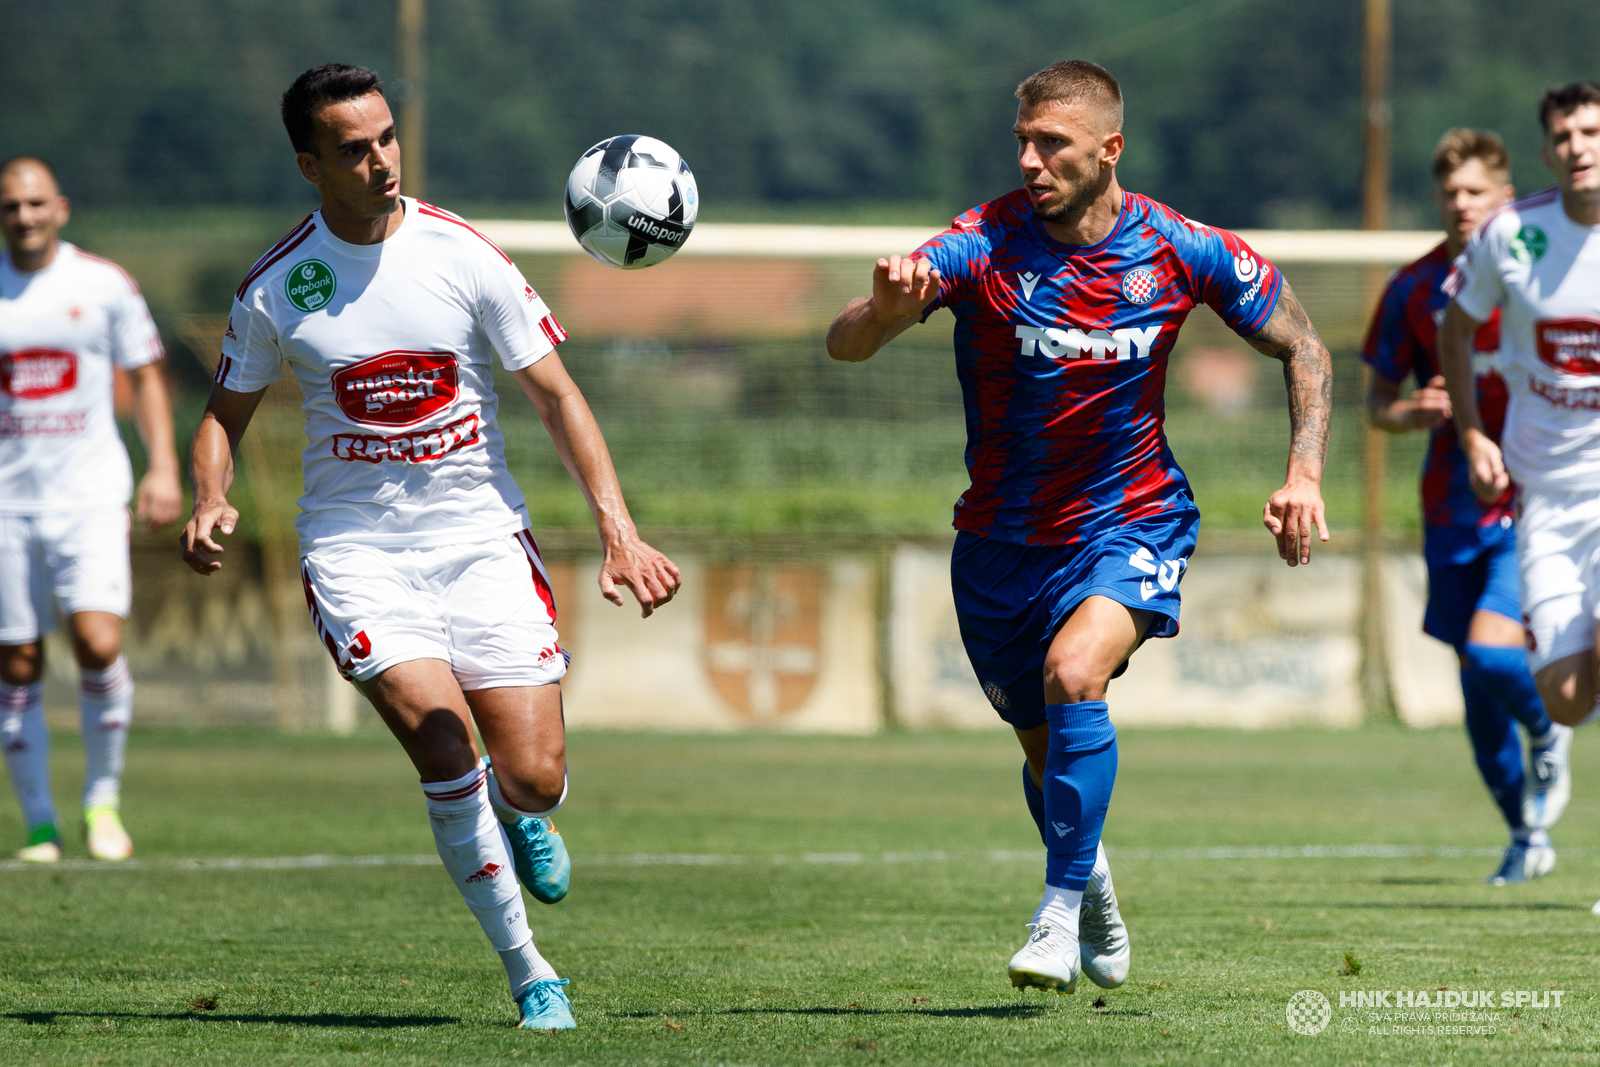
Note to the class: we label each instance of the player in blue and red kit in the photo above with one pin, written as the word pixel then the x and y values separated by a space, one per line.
pixel 1470 547
pixel 1068 294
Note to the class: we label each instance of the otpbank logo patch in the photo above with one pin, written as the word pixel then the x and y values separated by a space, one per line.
pixel 397 388
pixel 310 285
pixel 38 373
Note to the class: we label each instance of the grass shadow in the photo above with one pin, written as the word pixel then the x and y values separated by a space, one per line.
pixel 1012 1011
pixel 363 1022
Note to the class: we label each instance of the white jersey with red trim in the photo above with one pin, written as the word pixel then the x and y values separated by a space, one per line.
pixel 392 345
pixel 62 330
pixel 1543 271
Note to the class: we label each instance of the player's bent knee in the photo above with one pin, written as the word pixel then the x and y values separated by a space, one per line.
pixel 533 782
pixel 96 639
pixel 1567 690
pixel 98 652
pixel 1073 677
pixel 21 664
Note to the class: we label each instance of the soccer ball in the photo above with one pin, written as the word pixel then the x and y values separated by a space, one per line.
pixel 631 201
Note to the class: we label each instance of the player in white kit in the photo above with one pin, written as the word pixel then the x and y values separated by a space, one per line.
pixel 420 572
pixel 1538 260
pixel 67 319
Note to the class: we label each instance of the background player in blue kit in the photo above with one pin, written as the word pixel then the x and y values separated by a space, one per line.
pixel 1470 547
pixel 1079 525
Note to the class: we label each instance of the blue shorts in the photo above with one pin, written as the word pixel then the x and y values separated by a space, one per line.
pixel 1464 579
pixel 1011 599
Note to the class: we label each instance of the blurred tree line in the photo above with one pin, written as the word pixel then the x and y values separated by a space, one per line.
pixel 1240 112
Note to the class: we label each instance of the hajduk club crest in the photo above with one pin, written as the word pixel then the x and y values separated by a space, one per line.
pixel 1139 286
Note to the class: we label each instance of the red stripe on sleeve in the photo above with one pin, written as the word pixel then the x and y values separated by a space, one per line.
pixel 438 213
pixel 270 258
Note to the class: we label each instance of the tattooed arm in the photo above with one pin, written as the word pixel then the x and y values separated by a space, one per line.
pixel 1290 513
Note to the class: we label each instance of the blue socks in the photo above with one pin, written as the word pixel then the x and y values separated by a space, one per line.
pixel 1078 775
pixel 1495 746
pixel 1504 675
pixel 1035 798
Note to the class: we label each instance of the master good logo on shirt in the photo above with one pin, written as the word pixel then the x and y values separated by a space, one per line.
pixel 310 285
pixel 1571 345
pixel 37 373
pixel 397 388
pixel 1529 244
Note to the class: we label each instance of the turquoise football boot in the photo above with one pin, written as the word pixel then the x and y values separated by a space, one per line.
pixel 545 1007
pixel 540 858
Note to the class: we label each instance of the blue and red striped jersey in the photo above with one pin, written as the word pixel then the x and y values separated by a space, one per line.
pixel 1403 340
pixel 1062 355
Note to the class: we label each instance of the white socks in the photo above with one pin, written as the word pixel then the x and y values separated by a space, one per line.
pixel 508 812
pixel 477 855
pixel 105 707
pixel 105 704
pixel 524 966
pixel 1059 908
pixel 27 750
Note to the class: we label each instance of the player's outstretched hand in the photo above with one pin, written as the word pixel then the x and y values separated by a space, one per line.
pixel 1290 513
pixel 1430 405
pixel 1486 466
pixel 199 549
pixel 903 286
pixel 652 577
pixel 159 501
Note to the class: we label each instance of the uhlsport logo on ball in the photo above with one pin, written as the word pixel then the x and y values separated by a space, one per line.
pixel 631 201
pixel 1308 1012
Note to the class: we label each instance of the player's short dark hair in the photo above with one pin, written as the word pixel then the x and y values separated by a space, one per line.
pixel 1567 99
pixel 1076 79
pixel 331 83
pixel 28 157
pixel 1460 145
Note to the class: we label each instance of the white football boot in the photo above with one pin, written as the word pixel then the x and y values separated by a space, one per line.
pixel 104 833
pixel 1550 784
pixel 1523 863
pixel 1048 961
pixel 43 852
pixel 1102 937
pixel 44 845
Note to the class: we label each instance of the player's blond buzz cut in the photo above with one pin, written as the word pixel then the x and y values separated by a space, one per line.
pixel 1460 146
pixel 1075 79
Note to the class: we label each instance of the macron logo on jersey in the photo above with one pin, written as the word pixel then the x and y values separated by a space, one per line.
pixel 1028 281
pixel 1073 343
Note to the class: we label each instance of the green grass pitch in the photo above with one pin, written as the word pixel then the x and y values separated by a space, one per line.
pixel 847 908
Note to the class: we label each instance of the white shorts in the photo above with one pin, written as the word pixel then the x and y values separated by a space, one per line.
pixel 1558 555
pixel 75 559
pixel 486 609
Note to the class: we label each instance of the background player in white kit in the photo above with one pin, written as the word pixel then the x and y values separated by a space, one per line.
pixel 66 320
pixel 1538 260
pixel 420 572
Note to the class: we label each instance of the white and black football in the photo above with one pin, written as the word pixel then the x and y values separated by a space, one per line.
pixel 631 201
